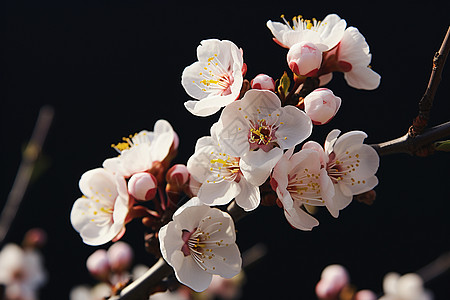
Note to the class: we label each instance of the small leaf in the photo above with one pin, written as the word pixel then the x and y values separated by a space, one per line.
pixel 285 83
pixel 442 146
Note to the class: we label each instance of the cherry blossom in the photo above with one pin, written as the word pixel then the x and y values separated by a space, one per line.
pixel 299 180
pixel 321 105
pixel 406 287
pixel 99 216
pixel 352 57
pixel 215 80
pixel 324 34
pixel 304 59
pixel 350 164
pixel 257 129
pixel 22 272
pixel 224 176
pixel 200 242
pixel 139 152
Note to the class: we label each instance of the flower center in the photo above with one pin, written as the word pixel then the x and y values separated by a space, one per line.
pixel 303 24
pixel 261 135
pixel 126 144
pixel 341 169
pixel 216 77
pixel 225 167
pixel 304 186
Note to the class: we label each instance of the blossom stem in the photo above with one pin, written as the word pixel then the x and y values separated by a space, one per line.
pixel 425 104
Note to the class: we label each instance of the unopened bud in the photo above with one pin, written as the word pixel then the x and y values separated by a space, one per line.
pixel 321 105
pixel 177 175
pixel 142 186
pixel 35 238
pixel 120 256
pixel 334 278
pixel 304 59
pixel 98 265
pixel 365 295
pixel 263 82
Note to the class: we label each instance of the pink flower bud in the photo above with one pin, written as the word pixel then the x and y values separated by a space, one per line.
pixel 321 105
pixel 35 238
pixel 334 278
pixel 304 59
pixel 365 295
pixel 263 82
pixel 120 256
pixel 142 186
pixel 178 175
pixel 98 264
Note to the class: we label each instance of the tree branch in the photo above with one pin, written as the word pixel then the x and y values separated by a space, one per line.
pixel 30 155
pixel 412 145
pixel 425 104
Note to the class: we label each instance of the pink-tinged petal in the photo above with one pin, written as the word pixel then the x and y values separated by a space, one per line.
pixel 354 49
pixel 170 241
pixel 296 127
pixel 278 30
pixel 318 148
pixel 189 272
pixel 325 79
pixel 257 165
pixel 300 219
pixel 280 173
pixel 163 139
pixel 349 139
pixel 362 77
pixel 331 140
pixel 363 185
pixel 187 216
pixel 226 261
pixel 249 197
pixel 219 193
pixel 339 201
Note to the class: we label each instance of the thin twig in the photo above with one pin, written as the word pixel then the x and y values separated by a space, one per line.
pixel 425 104
pixel 30 155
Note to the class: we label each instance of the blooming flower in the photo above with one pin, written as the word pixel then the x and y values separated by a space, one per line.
pixel 350 164
pixel 324 34
pixel 352 57
pixel 21 271
pixel 99 216
pixel 200 242
pixel 406 287
pixel 139 152
pixel 298 180
pixel 257 128
pixel 321 105
pixel 224 176
pixel 215 79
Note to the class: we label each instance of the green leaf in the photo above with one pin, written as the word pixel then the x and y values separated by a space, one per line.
pixel 285 83
pixel 442 146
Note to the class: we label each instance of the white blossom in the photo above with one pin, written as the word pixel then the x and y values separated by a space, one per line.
pixel 406 287
pixel 200 242
pixel 215 80
pixel 99 216
pixel 138 152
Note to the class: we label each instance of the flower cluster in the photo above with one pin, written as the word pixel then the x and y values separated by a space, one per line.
pixel 249 154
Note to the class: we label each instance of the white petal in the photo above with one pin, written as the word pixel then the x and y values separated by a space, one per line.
pixel 296 128
pixel 318 148
pixel 97 182
pixel 170 241
pixel 362 77
pixel 257 165
pixel 332 37
pixel 338 202
pixel 278 30
pixel 249 197
pixel 164 137
pixel 331 140
pixel 354 49
pixel 347 140
pixel 226 261
pixel 218 193
pixel 188 216
pixel 190 273
pixel 362 186
pixel 300 219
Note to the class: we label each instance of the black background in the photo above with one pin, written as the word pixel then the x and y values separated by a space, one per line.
pixel 112 68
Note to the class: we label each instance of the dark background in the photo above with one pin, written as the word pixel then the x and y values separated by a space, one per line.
pixel 111 68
